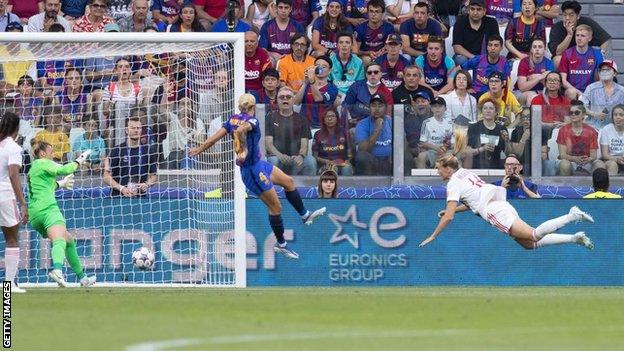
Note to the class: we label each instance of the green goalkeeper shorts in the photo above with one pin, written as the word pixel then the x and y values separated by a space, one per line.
pixel 43 220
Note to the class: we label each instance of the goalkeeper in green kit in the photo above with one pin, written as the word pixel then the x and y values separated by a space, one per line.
pixel 45 215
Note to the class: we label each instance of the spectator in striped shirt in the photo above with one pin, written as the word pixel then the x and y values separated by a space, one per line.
pixel 579 64
pixel 521 31
pixel 275 34
pixel 483 65
pixel 392 63
pixel 371 35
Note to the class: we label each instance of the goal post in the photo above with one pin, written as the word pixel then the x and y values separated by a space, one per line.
pixel 174 89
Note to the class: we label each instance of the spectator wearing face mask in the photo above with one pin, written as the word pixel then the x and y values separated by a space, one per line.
pixel 600 97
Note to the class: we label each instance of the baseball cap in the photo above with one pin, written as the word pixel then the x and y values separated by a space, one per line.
pixel 393 38
pixel 423 95
pixel 461 120
pixel 14 26
pixel 438 101
pixel 477 2
pixel 112 27
pixel 609 63
pixel 378 97
pixel 496 74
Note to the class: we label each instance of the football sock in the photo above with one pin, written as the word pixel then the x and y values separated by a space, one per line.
pixel 555 239
pixel 11 260
pixel 58 253
pixel 551 226
pixel 73 259
pixel 278 228
pixel 295 200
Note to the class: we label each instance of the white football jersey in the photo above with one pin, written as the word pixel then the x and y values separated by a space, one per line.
pixel 465 186
pixel 10 154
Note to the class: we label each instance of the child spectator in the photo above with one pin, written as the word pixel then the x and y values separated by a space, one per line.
pixel 90 140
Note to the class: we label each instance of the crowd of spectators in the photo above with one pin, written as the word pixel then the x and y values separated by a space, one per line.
pixel 330 73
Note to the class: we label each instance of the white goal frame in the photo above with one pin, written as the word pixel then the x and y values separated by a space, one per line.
pixel 238 42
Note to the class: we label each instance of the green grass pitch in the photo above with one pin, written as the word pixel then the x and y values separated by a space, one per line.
pixel 273 319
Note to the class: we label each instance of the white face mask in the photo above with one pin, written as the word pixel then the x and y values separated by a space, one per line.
pixel 605 75
pixel 372 85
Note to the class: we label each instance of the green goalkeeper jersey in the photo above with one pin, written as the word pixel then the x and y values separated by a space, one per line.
pixel 42 183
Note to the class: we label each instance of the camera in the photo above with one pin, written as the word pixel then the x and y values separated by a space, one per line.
pixel 513 178
pixel 319 70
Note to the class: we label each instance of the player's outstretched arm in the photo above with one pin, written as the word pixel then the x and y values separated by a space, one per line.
pixel 449 213
pixel 460 208
pixel 208 143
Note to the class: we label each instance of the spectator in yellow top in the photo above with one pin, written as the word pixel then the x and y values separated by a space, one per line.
pixel 600 178
pixel 53 133
pixel 508 105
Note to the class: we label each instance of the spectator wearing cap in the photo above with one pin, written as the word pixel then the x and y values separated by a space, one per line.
pixel 167 12
pixel 240 26
pixel 257 60
pixel 96 19
pixel 601 96
pixel 41 22
pixel 612 141
pixel 292 67
pixel 373 140
pixel 305 11
pixel 405 93
pixel 287 135
pixel 483 65
pixel 521 30
pixel 600 181
pixel 326 28
pixel 508 106
pixel 437 67
pixel 11 71
pixel 578 144
pixel 416 113
pixel 562 35
pixel 275 34
pixel 471 32
pixel 416 32
pixel 546 9
pixel 317 93
pixel 187 21
pixel 6 17
pixel 371 36
pixel 435 135
pixel 346 66
pixel 579 64
pixel 357 99
pixel 267 94
pixel 392 63
pixel 140 18
pixel 459 101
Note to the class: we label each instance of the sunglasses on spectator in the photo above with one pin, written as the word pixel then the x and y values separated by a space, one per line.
pixel 576 113
pixel 372 72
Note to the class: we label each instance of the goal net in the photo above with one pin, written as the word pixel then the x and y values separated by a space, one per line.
pixel 140 101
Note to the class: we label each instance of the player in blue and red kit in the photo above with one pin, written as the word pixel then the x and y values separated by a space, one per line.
pixel 259 175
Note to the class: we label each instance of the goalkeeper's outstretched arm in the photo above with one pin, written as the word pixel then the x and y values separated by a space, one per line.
pixel 208 143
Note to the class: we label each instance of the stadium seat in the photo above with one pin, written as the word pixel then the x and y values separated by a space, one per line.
pixel 514 74
pixel 553 149
pixel 547 33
